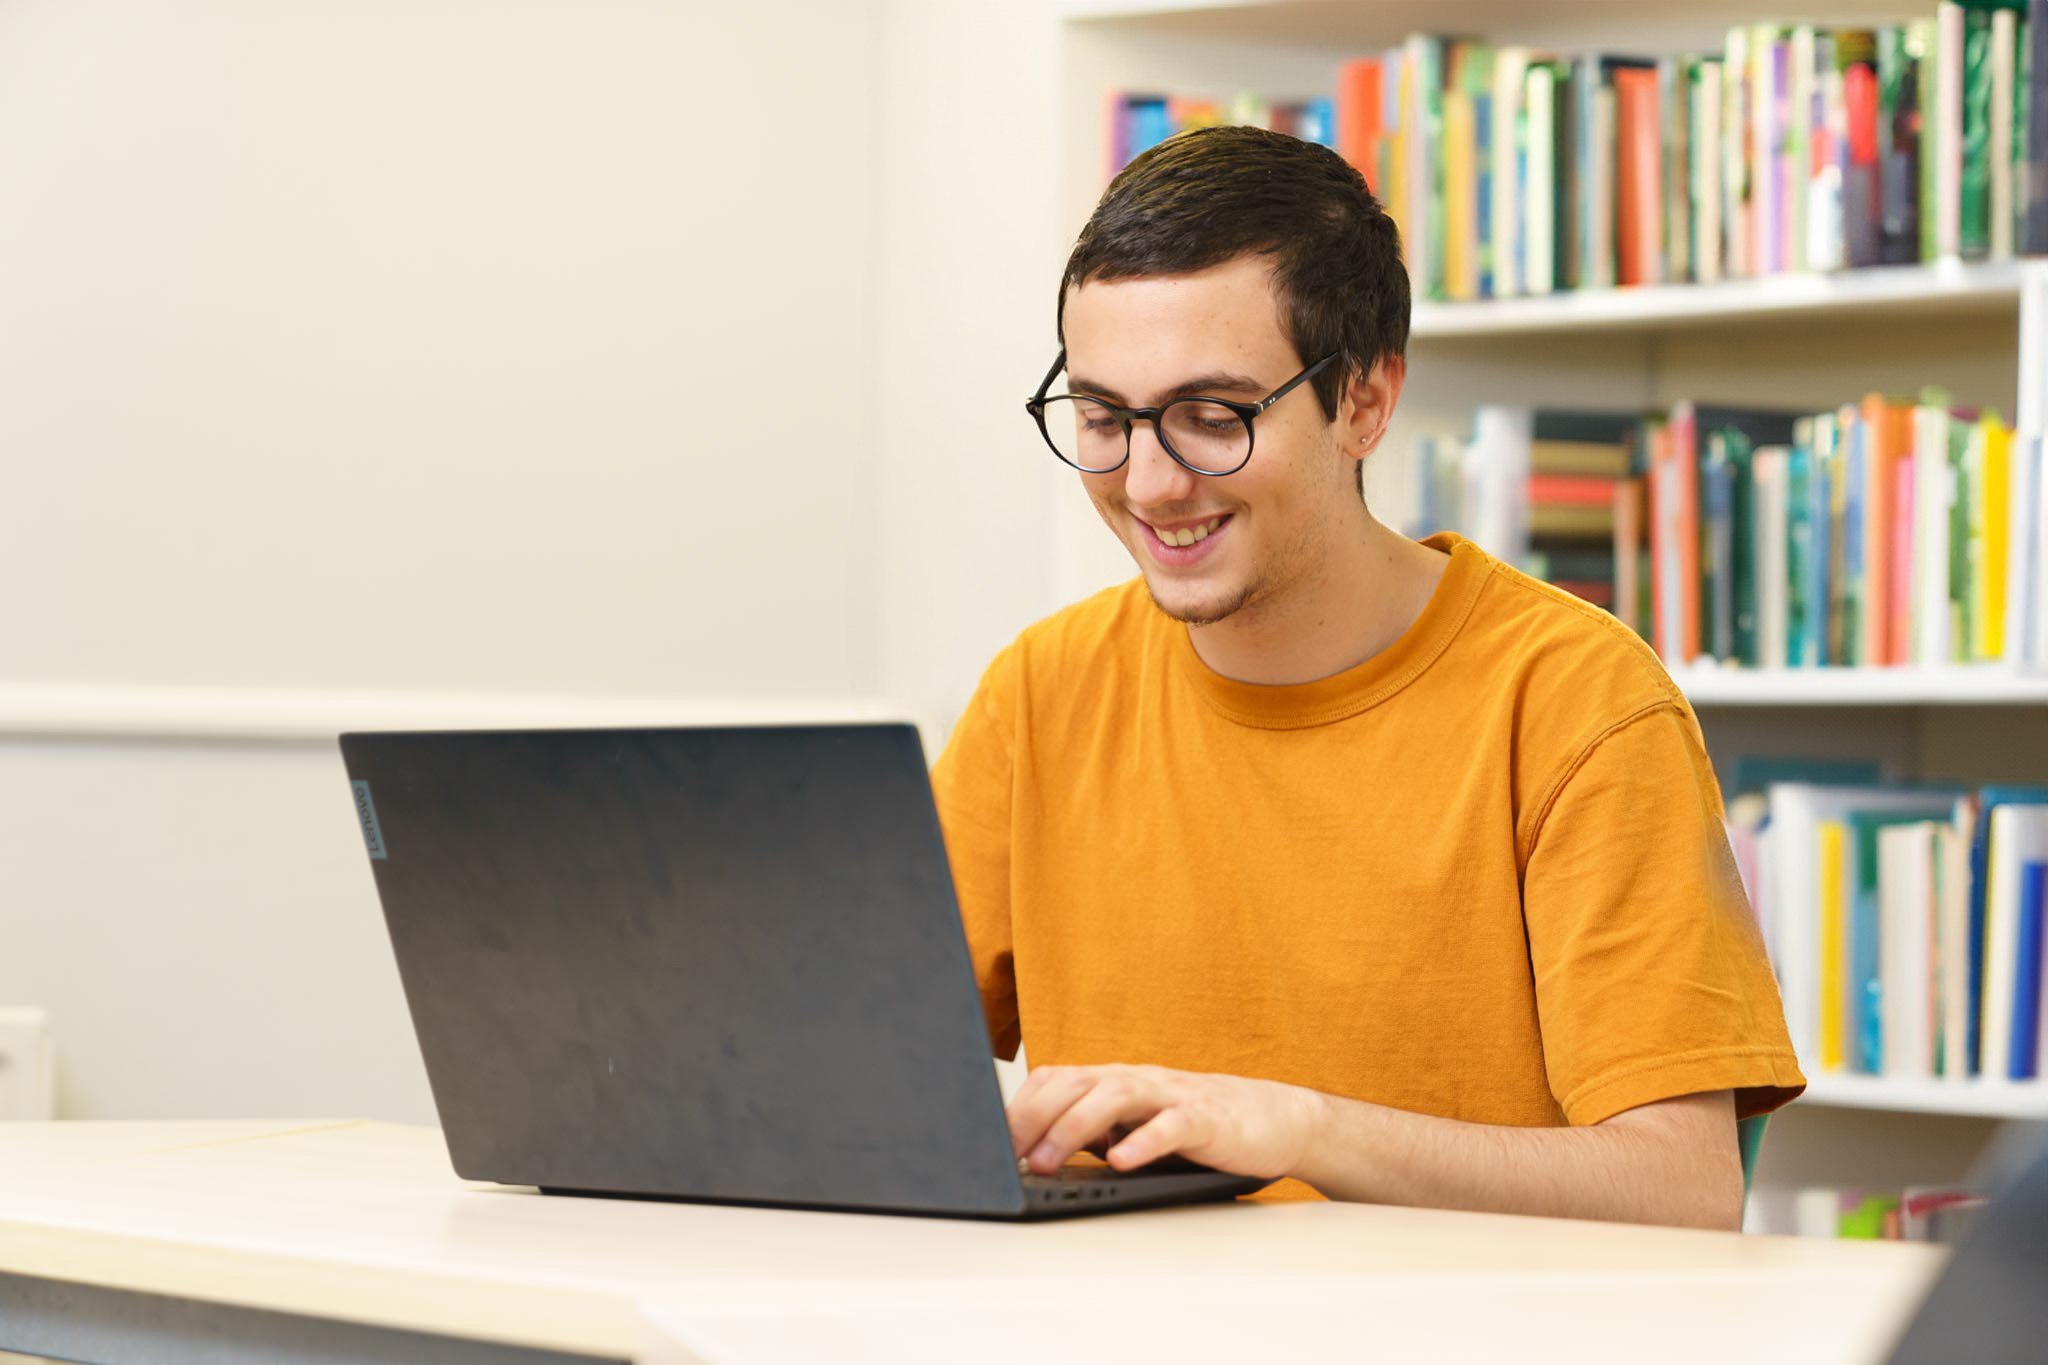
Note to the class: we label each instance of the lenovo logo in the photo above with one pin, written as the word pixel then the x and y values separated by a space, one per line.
pixel 366 811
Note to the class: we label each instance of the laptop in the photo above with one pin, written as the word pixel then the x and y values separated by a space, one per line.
pixel 708 964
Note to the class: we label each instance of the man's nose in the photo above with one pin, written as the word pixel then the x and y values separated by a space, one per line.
pixel 1153 477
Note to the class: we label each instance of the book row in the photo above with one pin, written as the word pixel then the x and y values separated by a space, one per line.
pixel 1886 532
pixel 1905 924
pixel 1515 171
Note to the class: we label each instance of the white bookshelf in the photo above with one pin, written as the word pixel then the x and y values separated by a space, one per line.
pixel 1976 1098
pixel 1872 296
pixel 1804 342
pixel 1963 685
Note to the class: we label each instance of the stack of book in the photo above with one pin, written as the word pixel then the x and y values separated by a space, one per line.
pixel 1513 171
pixel 1886 532
pixel 1905 925
pixel 1140 121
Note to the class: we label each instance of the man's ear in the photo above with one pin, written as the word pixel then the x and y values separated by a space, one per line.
pixel 1368 403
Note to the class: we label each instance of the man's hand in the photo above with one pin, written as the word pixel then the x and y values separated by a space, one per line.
pixel 1142 1113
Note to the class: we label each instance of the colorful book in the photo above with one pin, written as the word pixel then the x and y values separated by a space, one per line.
pixel 2018 836
pixel 2026 1000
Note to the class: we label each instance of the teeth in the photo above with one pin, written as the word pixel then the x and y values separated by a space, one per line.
pixel 1189 535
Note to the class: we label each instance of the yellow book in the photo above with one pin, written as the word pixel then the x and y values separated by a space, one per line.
pixel 1834 945
pixel 1460 152
pixel 1997 554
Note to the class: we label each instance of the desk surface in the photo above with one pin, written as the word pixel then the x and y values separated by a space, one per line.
pixel 365 1223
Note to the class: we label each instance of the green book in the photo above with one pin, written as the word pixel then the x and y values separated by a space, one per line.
pixel 1962 436
pixel 1898 148
pixel 1974 237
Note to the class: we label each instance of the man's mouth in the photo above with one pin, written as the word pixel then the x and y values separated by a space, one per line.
pixel 1188 533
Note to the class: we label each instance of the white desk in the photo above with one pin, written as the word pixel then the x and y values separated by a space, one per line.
pixel 354 1241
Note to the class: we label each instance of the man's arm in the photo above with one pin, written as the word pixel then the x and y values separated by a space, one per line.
pixel 1673 1162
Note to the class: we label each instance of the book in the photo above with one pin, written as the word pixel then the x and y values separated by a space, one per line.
pixel 1639 182
pixel 1952 944
pixel 1797 810
pixel 2025 1062
pixel 1865 932
pixel 1906 931
pixel 1900 49
pixel 1541 198
pixel 1706 169
pixel 1361 110
pixel 1988 801
pixel 1862 201
pixel 2031 191
pixel 1973 135
pixel 2018 836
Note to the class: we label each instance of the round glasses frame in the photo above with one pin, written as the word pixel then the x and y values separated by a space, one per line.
pixel 1127 418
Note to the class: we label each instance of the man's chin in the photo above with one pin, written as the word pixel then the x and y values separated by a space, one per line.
pixel 1196 607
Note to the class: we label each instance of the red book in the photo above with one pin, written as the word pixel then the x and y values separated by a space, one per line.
pixel 1572 490
pixel 1359 94
pixel 1639 179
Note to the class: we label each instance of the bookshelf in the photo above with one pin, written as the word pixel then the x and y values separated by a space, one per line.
pixel 1971 685
pixel 1877 296
pixel 1963 1099
pixel 1803 342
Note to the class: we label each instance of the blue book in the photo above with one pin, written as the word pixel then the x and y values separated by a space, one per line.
pixel 2026 995
pixel 1980 873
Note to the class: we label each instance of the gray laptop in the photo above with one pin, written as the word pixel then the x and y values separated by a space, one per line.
pixel 711 964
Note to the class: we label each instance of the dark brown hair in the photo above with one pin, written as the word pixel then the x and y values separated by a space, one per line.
pixel 1210 195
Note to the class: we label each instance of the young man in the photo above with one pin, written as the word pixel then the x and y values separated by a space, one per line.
pixel 1316 852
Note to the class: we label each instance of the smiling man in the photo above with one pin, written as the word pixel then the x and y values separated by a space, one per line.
pixel 1314 852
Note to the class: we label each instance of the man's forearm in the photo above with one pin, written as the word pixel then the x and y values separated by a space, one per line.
pixel 1644 1166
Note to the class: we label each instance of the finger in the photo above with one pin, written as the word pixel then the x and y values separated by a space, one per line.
pixel 1117 1097
pixel 1044 1096
pixel 1171 1130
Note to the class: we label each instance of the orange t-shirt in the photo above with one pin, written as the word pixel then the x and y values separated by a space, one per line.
pixel 1481 875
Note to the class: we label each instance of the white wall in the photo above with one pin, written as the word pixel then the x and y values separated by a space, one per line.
pixel 445 345
pixel 971 253
pixel 394 363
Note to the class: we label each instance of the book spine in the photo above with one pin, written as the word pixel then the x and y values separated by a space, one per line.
pixel 1999 198
pixel 1735 154
pixel 1862 206
pixel 1973 138
pixel 1539 242
pixel 1707 258
pixel 1900 139
pixel 1942 190
pixel 1674 93
pixel 2032 190
pixel 1800 134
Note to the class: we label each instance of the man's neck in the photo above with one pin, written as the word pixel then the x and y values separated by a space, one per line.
pixel 1371 588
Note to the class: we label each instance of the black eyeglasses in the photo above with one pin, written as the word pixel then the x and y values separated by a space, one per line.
pixel 1211 436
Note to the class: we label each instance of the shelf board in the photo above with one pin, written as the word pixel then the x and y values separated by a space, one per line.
pixel 1973 1098
pixel 1960 685
pixel 1946 287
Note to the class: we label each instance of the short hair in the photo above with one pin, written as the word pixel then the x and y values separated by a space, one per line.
pixel 1211 195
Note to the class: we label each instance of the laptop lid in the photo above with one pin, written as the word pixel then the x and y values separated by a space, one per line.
pixel 713 963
